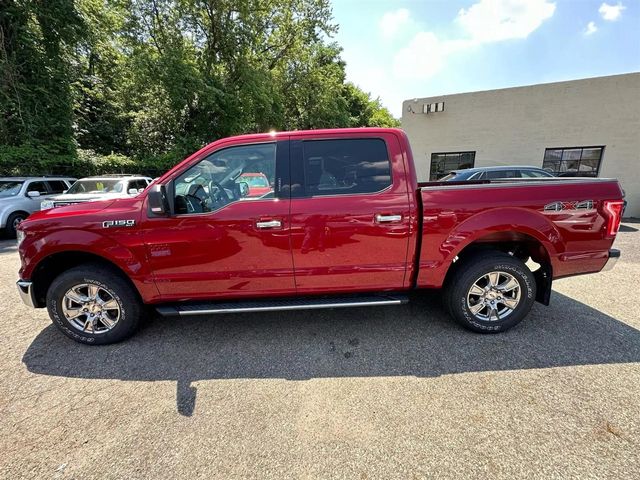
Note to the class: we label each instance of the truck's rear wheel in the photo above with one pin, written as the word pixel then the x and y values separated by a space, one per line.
pixel 94 304
pixel 490 293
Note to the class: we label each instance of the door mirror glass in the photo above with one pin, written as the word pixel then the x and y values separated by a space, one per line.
pixel 244 189
pixel 33 194
pixel 158 204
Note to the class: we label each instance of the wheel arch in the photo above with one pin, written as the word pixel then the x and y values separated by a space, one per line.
pixel 53 265
pixel 520 245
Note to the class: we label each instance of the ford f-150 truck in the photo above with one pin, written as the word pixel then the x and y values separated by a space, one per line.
pixel 345 224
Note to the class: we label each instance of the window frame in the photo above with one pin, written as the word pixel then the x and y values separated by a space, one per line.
pixel 298 167
pixel 281 159
pixel 460 153
pixel 582 149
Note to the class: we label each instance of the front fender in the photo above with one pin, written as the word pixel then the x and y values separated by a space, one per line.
pixel 127 253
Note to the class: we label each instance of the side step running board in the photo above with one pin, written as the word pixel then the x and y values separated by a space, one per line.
pixel 209 308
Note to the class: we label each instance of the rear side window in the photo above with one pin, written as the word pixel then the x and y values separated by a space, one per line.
pixel 495 174
pixel 344 167
pixel 57 186
pixel 138 184
pixel 533 174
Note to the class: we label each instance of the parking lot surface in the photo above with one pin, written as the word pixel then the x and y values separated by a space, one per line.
pixel 386 392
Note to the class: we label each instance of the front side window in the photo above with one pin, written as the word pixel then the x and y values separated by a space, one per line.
pixel 40 187
pixel 345 167
pixel 226 176
pixel 444 163
pixel 574 161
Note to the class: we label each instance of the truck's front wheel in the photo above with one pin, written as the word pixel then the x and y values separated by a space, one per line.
pixel 490 293
pixel 94 304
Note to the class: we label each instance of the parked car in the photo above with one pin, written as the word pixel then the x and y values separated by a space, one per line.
pixel 348 225
pixel 21 196
pixel 257 182
pixel 91 189
pixel 495 173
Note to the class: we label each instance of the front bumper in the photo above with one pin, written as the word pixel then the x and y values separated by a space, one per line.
pixel 25 289
pixel 614 255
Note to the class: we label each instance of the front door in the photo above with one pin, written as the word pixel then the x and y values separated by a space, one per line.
pixel 224 240
pixel 350 216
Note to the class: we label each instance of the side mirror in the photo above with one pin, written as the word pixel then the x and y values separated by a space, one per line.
pixel 132 191
pixel 244 188
pixel 64 191
pixel 158 202
pixel 33 194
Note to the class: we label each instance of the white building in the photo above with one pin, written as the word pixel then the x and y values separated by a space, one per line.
pixel 590 126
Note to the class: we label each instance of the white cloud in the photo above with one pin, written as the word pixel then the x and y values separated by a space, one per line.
pixel 591 28
pixel 496 20
pixel 422 58
pixel 391 22
pixel 611 12
pixel 484 22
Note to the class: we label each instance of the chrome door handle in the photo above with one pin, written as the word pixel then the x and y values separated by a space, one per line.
pixel 269 224
pixel 388 218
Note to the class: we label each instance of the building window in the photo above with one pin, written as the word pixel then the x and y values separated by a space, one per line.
pixel 443 163
pixel 573 162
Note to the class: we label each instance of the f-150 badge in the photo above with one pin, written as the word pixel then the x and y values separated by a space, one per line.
pixel 118 223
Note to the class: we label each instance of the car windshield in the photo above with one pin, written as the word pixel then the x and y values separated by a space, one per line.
pixel 97 186
pixel 254 181
pixel 9 188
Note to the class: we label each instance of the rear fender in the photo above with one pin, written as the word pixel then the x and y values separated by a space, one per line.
pixel 437 257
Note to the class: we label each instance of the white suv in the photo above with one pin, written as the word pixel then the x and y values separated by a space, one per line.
pixel 91 189
pixel 21 196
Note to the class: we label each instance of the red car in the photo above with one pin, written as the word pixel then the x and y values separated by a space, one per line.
pixel 347 225
pixel 257 182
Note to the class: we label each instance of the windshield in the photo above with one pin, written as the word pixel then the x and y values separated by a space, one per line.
pixel 97 186
pixel 9 188
pixel 254 180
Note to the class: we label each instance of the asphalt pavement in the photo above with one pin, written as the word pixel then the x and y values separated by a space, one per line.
pixel 366 393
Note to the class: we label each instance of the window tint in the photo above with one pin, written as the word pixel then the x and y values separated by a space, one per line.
pixel 575 161
pixel 57 186
pixel 533 174
pixel 38 187
pixel 443 163
pixel 215 181
pixel 343 167
pixel 495 174
pixel 137 184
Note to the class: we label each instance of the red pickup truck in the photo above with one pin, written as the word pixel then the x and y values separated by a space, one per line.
pixel 345 224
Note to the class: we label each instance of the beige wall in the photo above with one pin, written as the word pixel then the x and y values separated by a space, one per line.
pixel 514 126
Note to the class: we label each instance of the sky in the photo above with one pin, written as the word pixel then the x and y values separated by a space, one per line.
pixel 404 49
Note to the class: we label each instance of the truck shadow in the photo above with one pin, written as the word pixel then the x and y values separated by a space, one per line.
pixel 417 339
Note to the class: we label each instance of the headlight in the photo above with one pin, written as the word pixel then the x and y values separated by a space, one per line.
pixel 19 236
pixel 46 204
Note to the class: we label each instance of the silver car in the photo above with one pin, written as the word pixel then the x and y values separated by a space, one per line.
pixel 21 196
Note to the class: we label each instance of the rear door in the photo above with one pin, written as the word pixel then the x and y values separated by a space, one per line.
pixel 350 213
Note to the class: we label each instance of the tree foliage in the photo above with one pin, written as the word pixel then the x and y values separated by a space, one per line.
pixel 159 78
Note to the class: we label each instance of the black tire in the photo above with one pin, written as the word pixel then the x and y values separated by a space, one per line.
pixel 458 287
pixel 12 222
pixel 115 285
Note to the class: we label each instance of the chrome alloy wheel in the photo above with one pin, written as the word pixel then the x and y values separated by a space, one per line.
pixel 494 296
pixel 90 308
